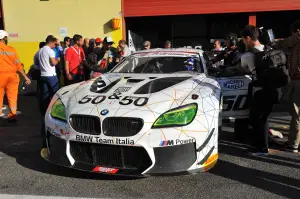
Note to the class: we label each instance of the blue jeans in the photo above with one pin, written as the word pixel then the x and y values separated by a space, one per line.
pixel 48 87
pixel 57 69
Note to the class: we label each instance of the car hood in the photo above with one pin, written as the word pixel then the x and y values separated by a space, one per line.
pixel 121 95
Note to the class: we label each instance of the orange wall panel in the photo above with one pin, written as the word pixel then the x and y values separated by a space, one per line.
pixel 134 8
pixel 252 19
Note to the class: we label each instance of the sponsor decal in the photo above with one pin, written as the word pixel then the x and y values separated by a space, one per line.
pixel 122 89
pixel 167 143
pixel 127 100
pixel 126 141
pixel 104 112
pixel 89 138
pixel 234 84
pixel 176 142
pixel 105 170
pixel 98 85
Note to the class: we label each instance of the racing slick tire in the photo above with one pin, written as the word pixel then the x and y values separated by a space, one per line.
pixel 241 129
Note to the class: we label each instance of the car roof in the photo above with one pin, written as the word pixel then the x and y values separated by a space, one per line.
pixel 177 50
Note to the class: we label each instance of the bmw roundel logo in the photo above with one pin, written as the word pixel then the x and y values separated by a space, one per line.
pixel 104 112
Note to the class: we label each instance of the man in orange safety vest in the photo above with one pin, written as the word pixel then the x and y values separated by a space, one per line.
pixel 9 79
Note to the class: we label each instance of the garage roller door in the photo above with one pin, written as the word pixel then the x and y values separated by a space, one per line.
pixel 134 8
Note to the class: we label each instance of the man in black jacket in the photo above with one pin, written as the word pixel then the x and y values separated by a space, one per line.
pixel 232 54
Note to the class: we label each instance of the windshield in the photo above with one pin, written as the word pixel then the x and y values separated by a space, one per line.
pixel 159 64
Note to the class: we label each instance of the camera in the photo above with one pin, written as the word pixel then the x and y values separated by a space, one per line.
pixel 266 36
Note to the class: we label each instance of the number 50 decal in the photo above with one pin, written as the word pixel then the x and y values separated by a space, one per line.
pixel 235 103
pixel 138 101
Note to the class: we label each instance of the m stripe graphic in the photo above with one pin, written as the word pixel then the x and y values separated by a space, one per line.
pixel 167 143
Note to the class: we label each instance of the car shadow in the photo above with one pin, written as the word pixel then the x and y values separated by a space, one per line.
pixel 276 159
pixel 277 184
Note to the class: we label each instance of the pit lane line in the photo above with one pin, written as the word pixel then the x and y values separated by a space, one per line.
pixel 8 196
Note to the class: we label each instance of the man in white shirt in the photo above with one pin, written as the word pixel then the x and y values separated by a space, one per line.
pixel 263 99
pixel 35 72
pixel 48 82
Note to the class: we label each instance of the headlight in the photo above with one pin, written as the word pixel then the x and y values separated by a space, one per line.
pixel 177 117
pixel 58 111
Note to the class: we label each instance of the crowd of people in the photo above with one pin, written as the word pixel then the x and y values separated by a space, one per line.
pixel 78 59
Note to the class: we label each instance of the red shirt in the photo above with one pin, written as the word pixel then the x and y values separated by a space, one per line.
pixel 75 57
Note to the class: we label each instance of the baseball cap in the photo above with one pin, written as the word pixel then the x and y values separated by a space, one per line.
pixel 108 40
pixel 3 34
pixel 98 40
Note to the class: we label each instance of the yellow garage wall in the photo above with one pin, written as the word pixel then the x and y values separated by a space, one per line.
pixel 26 51
pixel 33 20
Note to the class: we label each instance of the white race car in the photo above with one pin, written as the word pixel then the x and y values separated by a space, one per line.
pixel 157 112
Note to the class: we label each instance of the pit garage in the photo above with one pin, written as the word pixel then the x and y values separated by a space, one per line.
pixel 196 23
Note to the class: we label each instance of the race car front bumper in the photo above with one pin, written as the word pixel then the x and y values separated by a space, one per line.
pixel 124 160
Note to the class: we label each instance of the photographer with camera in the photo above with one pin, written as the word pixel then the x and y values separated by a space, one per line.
pixel 293 93
pixel 232 54
pixel 268 75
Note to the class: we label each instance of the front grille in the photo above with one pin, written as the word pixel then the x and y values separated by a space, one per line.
pixel 122 126
pixel 86 124
pixel 116 156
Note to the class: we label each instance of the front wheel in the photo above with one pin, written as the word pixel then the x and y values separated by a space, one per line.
pixel 241 128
